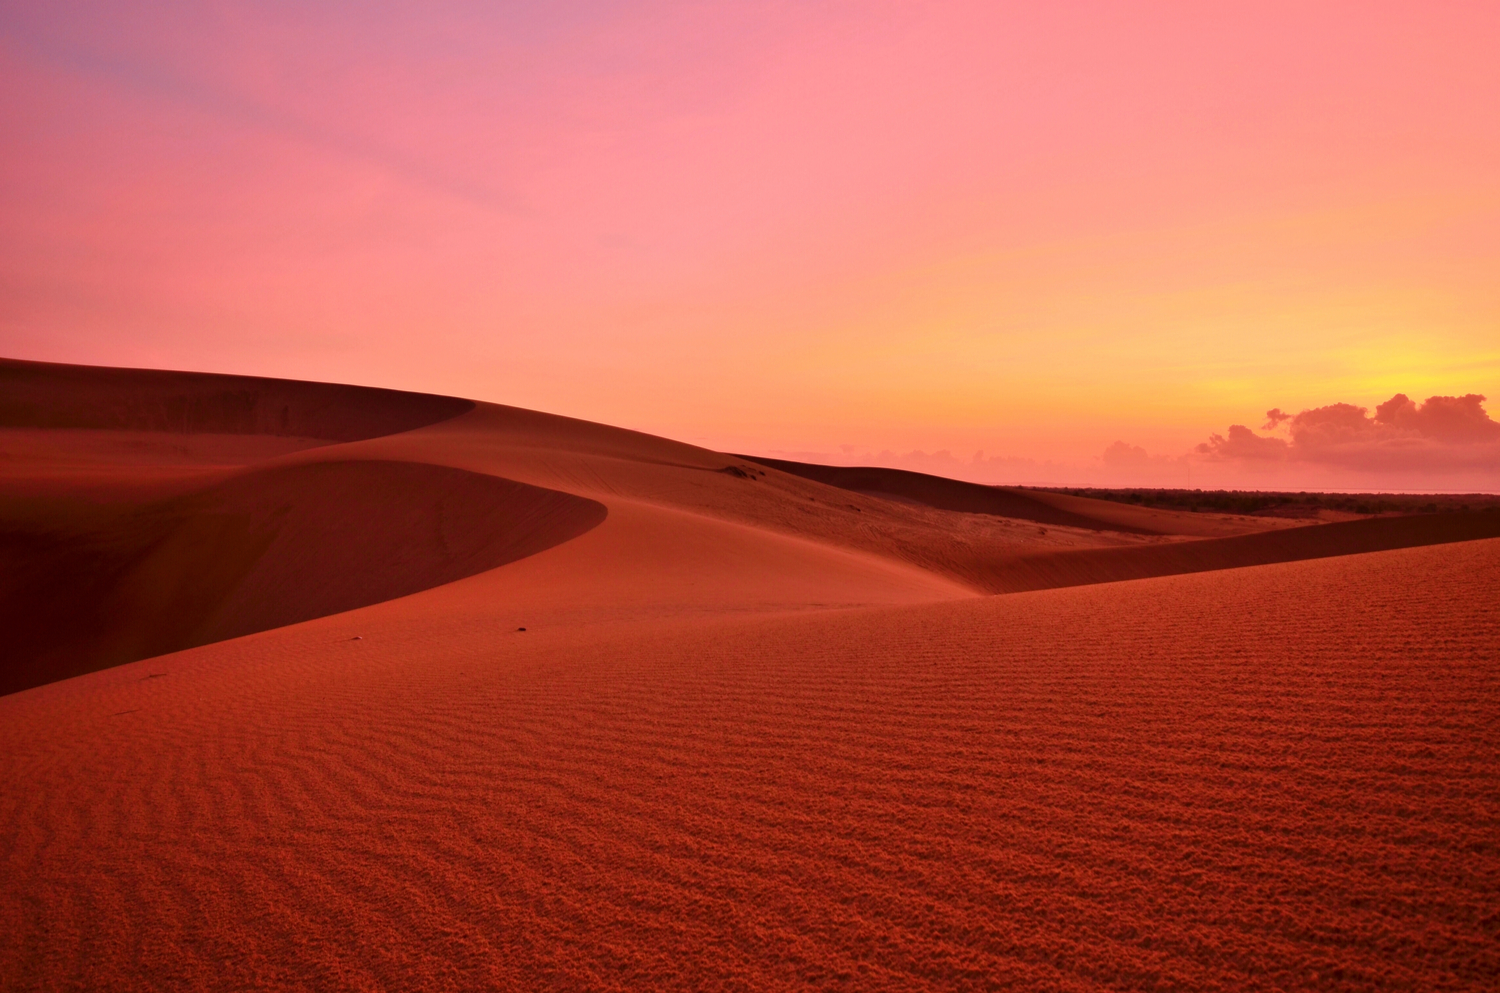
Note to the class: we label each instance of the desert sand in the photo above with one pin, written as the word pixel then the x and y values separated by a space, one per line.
pixel 319 687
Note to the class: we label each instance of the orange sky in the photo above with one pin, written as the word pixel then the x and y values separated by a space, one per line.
pixel 855 230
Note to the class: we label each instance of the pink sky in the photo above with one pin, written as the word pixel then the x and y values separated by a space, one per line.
pixel 862 231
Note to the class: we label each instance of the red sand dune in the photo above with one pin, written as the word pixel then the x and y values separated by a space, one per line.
pixel 47 395
pixel 1021 504
pixel 759 733
pixel 1049 570
pixel 259 550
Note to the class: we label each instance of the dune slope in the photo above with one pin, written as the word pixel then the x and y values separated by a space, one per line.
pixel 1021 504
pixel 1081 567
pixel 259 550
pixel 1221 781
pixel 48 395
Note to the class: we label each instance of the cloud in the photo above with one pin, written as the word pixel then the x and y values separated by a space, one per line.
pixel 1124 455
pixel 1444 433
pixel 1124 464
pixel 1455 420
pixel 1243 443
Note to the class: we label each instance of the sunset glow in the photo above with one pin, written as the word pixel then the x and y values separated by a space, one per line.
pixel 685 496
pixel 838 231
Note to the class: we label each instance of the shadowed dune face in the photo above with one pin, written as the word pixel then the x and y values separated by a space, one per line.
pixel 46 395
pixel 126 530
pixel 259 550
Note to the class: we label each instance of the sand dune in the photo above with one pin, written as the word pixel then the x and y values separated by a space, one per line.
pixel 760 730
pixel 1227 780
pixel 1022 504
pixel 1052 569
pixel 256 551
pixel 47 395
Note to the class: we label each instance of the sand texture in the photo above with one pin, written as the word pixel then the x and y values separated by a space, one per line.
pixel 760 731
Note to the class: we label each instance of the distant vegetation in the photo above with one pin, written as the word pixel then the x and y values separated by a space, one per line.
pixel 1288 504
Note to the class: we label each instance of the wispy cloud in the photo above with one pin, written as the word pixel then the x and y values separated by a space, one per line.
pixel 238 109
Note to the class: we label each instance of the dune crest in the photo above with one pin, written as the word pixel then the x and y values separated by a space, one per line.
pixel 50 395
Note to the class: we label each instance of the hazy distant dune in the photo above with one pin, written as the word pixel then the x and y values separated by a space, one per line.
pixel 1042 506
